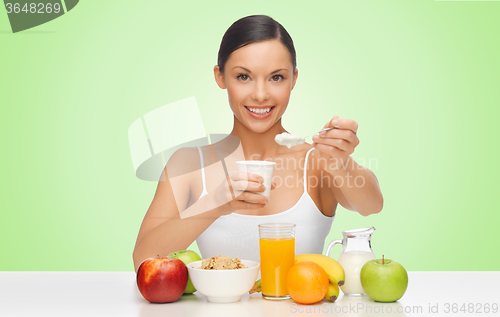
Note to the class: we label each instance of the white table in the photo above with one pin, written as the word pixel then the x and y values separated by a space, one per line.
pixel 93 294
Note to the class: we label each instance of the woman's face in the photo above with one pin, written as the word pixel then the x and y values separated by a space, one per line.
pixel 259 79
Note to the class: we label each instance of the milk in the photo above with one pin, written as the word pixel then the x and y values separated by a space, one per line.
pixel 352 262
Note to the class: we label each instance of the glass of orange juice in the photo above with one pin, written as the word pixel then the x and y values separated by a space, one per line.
pixel 277 256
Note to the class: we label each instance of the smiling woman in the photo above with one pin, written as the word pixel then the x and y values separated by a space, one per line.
pixel 257 67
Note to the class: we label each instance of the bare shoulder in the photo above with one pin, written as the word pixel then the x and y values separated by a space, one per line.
pixel 183 161
pixel 298 151
pixel 298 154
pixel 184 170
pixel 187 153
pixel 317 165
pixel 321 183
pixel 314 156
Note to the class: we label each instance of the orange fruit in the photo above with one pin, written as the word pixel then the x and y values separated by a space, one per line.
pixel 307 282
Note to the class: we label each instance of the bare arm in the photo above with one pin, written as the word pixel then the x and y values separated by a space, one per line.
pixel 162 230
pixel 356 188
pixel 169 226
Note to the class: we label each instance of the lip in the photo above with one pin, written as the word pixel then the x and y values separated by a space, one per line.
pixel 260 116
pixel 259 107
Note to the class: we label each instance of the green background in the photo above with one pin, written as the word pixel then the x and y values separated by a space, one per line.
pixel 420 77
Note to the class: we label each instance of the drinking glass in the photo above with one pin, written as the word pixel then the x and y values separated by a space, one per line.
pixel 277 256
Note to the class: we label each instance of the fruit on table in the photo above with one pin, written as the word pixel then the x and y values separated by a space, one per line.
pixel 162 280
pixel 384 280
pixel 186 256
pixel 332 268
pixel 307 282
pixel 257 287
pixel 333 292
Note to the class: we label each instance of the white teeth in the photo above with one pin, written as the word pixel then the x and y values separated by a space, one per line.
pixel 259 111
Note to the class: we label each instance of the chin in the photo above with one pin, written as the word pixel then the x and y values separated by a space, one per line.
pixel 259 127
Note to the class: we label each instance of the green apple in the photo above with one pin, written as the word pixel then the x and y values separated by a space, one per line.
pixel 186 256
pixel 384 280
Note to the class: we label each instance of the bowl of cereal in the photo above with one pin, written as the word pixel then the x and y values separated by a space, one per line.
pixel 223 279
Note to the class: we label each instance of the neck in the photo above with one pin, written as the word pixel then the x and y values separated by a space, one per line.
pixel 258 146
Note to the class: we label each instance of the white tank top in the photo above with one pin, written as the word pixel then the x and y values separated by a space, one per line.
pixel 236 235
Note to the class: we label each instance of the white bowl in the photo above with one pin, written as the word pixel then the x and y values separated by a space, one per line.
pixel 223 286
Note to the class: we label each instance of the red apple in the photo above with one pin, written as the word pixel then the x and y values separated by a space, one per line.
pixel 162 280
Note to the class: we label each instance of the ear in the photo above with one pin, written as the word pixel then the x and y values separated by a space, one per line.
pixel 295 76
pixel 219 77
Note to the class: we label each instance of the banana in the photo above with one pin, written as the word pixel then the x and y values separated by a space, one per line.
pixel 333 292
pixel 333 269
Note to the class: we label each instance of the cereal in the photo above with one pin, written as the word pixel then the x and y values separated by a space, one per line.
pixel 222 262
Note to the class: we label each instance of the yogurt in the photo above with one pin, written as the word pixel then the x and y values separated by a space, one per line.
pixel 289 140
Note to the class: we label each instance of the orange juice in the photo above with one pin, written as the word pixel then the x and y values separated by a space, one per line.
pixel 277 256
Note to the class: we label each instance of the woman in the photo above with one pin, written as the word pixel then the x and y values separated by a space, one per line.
pixel 257 66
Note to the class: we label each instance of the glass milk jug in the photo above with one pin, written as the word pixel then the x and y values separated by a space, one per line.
pixel 356 251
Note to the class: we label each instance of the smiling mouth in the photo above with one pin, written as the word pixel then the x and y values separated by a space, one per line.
pixel 260 111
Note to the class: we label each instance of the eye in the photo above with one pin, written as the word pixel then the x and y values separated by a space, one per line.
pixel 277 78
pixel 243 77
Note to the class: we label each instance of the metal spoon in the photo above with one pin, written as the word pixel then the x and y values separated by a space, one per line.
pixel 320 132
pixel 298 139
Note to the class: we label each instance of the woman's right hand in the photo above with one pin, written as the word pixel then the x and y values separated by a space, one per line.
pixel 239 188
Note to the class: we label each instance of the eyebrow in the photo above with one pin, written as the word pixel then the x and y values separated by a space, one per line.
pixel 251 72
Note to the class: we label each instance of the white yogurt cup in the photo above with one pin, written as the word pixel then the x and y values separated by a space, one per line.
pixel 262 168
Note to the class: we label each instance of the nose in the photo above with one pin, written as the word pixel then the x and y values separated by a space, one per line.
pixel 260 93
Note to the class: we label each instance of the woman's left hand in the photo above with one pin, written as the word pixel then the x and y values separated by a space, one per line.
pixel 337 143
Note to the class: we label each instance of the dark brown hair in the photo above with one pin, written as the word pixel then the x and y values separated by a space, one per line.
pixel 252 29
